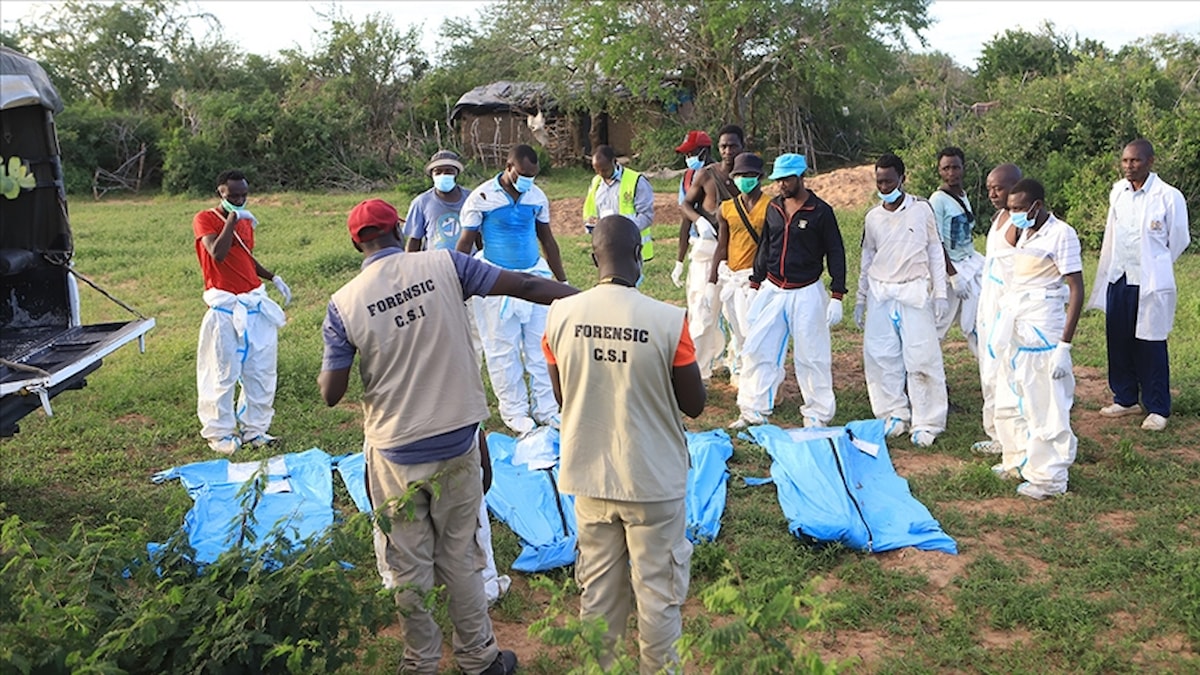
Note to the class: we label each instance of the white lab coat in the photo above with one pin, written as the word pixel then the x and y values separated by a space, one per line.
pixel 1165 236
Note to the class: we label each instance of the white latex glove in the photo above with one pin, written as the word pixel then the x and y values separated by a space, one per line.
pixel 705 228
pixel 941 307
pixel 677 274
pixel 243 214
pixel 283 289
pixel 960 286
pixel 833 313
pixel 1061 360
pixel 860 311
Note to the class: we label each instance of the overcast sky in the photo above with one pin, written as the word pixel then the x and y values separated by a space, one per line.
pixel 960 29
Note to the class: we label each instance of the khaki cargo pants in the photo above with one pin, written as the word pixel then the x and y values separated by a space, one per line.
pixel 432 541
pixel 634 551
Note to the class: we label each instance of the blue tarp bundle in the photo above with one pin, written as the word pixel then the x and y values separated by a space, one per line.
pixel 354 475
pixel 831 488
pixel 298 500
pixel 707 480
pixel 528 501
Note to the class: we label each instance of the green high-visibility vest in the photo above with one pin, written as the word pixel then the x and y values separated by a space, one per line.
pixel 628 188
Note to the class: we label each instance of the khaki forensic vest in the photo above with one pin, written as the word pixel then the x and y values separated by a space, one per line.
pixel 622 436
pixel 405 315
pixel 625 195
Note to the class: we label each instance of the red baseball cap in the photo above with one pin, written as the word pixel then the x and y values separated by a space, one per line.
pixel 694 141
pixel 372 213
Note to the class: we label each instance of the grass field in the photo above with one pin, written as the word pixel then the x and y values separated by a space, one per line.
pixel 1106 579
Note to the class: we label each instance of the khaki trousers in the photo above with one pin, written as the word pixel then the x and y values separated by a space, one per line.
pixel 431 540
pixel 634 551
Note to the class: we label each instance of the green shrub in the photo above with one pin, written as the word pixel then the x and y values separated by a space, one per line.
pixel 91 137
pixel 98 602
pixel 766 631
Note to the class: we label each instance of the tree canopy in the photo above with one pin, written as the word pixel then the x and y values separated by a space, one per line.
pixel 835 79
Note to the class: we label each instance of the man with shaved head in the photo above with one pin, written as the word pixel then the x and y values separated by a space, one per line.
pixel 997 266
pixel 1146 232
pixel 623 367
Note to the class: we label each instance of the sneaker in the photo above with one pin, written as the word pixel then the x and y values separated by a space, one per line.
pixel 505 663
pixel 748 420
pixel 987 448
pixel 1006 474
pixel 923 439
pixel 1032 491
pixel 260 441
pixel 226 445
pixel 554 421
pixel 894 427
pixel 812 422
pixel 1154 422
pixel 1118 410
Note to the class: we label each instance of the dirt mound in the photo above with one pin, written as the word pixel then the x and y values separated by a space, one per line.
pixel 849 188
pixel 566 215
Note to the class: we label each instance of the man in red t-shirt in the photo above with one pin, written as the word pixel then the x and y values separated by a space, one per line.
pixel 239 333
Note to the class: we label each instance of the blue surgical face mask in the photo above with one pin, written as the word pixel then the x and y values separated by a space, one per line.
pixel 1022 220
pixel 231 207
pixel 695 163
pixel 890 197
pixel 523 183
pixel 443 182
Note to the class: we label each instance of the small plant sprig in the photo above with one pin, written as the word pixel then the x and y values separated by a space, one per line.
pixel 584 639
pixel 767 631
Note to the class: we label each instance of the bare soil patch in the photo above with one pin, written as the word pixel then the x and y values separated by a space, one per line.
pixel 911 462
pixel 566 215
pixel 1171 644
pixel 849 188
pixel 134 420
pixel 990 638
pixel 997 505
pixel 939 568
pixel 867 647
pixel 1118 523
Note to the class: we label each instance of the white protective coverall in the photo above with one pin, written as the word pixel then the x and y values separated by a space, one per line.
pixel 965 310
pixel 704 322
pixel 736 296
pixel 1033 410
pixel 511 330
pixel 901 351
pixel 997 269
pixel 495 585
pixel 775 313
pixel 902 273
pixel 239 342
